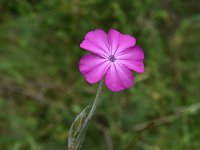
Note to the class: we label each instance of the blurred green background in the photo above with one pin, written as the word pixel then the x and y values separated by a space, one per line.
pixel 42 91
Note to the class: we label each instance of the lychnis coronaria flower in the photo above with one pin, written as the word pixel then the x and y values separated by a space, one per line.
pixel 113 56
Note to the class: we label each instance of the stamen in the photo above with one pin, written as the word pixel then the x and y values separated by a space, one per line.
pixel 112 58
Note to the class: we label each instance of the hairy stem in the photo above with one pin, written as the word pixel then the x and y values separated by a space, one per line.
pixel 77 134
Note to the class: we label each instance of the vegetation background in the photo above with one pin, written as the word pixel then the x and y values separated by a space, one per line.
pixel 42 91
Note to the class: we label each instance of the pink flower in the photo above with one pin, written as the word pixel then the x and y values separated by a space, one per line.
pixel 114 55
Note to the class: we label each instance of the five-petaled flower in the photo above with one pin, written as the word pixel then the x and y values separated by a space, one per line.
pixel 114 55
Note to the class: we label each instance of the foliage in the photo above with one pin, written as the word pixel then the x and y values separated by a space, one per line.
pixel 41 89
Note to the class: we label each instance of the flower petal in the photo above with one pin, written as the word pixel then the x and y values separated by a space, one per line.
pixel 118 77
pixel 132 58
pixel 97 42
pixel 119 42
pixel 93 67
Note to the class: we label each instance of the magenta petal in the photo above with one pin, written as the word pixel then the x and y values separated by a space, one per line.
pixel 132 58
pixel 135 53
pixel 136 65
pixel 113 38
pixel 119 42
pixel 118 77
pixel 97 42
pixel 93 67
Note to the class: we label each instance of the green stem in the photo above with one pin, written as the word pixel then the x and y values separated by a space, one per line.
pixel 96 101
pixel 76 136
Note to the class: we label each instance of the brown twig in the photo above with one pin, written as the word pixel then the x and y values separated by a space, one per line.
pixel 167 119
pixel 107 137
pixel 140 128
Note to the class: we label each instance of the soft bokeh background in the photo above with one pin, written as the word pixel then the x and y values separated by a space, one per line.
pixel 42 91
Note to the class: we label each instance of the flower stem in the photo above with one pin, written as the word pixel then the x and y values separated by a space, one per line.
pixel 80 124
pixel 96 100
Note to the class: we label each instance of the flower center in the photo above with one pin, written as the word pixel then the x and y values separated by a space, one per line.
pixel 112 58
